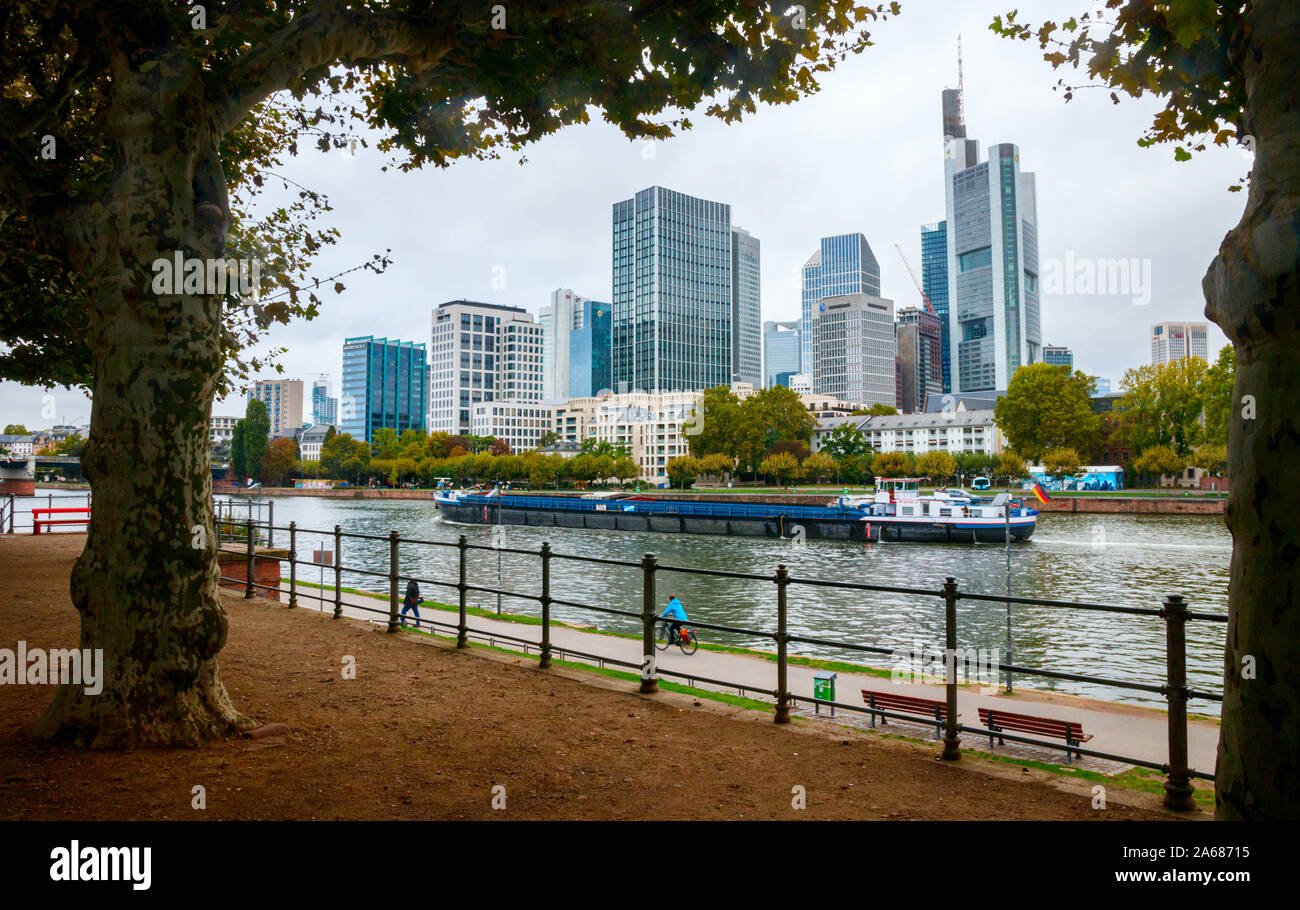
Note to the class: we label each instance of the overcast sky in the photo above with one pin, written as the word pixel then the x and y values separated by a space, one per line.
pixel 865 154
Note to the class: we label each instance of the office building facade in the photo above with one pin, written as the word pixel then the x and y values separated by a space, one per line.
pixel 934 282
pixel 994 323
pixel 589 351
pixel 324 408
pixel 1172 341
pixel 283 400
pixel 856 349
pixel 385 385
pixel 672 291
pixel 746 309
pixel 559 319
pixel 781 352
pixel 520 424
pixel 1058 356
pixel 843 264
pixel 480 352
pixel 919 363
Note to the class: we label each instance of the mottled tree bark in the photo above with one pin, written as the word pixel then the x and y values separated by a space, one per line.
pixel 1253 293
pixel 146 584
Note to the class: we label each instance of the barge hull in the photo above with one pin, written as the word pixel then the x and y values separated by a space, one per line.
pixel 776 526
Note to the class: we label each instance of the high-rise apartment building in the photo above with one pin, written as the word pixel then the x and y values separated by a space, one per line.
pixel 919 364
pixel 781 352
pixel 324 408
pixel 843 264
pixel 934 282
pixel 1058 355
pixel 856 349
pixel 589 351
pixel 1172 341
pixel 746 309
pixel 559 320
pixel 385 385
pixel 672 291
pixel 283 400
pixel 992 247
pixel 480 352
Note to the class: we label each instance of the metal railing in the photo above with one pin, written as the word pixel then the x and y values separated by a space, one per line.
pixel 18 516
pixel 1173 611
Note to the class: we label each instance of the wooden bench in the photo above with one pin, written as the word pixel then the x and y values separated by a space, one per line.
pixel 907 704
pixel 997 720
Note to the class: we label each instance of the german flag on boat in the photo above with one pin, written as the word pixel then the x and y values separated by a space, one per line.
pixel 1041 493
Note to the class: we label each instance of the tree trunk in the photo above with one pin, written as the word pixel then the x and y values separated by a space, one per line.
pixel 1253 293
pixel 146 584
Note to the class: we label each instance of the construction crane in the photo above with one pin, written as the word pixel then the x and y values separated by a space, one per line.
pixel 903 256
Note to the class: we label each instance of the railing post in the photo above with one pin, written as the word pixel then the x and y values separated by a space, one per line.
pixel 1178 786
pixel 338 571
pixel 293 564
pixel 392 581
pixel 649 678
pixel 782 683
pixel 951 741
pixel 248 587
pixel 270 522
pixel 546 606
pixel 462 628
pixel 11 513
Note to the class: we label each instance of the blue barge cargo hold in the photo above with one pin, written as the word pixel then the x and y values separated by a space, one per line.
pixel 895 513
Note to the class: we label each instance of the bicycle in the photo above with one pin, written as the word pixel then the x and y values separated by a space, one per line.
pixel 685 639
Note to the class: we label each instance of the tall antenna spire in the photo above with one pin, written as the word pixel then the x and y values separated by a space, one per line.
pixel 961 86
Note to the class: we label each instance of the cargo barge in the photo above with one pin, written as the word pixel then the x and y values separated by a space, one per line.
pixel 895 513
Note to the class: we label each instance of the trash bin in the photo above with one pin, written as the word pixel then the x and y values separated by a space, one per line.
pixel 823 690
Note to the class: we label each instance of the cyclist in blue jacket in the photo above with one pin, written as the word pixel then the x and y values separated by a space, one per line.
pixel 674 615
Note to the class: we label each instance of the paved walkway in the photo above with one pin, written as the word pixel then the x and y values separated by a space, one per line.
pixel 1116 728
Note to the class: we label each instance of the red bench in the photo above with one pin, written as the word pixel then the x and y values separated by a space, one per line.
pixel 929 708
pixel 997 720
pixel 37 522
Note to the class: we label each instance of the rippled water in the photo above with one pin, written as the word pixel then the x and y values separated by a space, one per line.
pixel 1132 560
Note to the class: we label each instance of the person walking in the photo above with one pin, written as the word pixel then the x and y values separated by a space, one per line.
pixel 411 602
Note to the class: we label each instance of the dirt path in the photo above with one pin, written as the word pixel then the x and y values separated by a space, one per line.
pixel 427 732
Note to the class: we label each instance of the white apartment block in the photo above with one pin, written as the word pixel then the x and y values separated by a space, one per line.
pixel 652 426
pixel 309 444
pixel 520 424
pixel 17 444
pixel 963 431
pixel 856 349
pixel 480 352
pixel 1172 341
pixel 283 400
pixel 221 429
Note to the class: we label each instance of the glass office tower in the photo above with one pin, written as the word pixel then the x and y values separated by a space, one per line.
pixel 746 309
pixel 589 351
pixel 781 352
pixel 843 264
pixel 385 384
pixel 671 293
pixel 934 281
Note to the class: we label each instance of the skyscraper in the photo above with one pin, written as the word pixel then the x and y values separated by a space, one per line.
pixel 1172 341
pixel 934 282
pixel 558 320
pixel 992 245
pixel 781 351
pixel 856 349
pixel 480 352
pixel 919 359
pixel 589 348
pixel 385 385
pixel 324 408
pixel 746 309
pixel 672 292
pixel 843 264
pixel 1058 356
